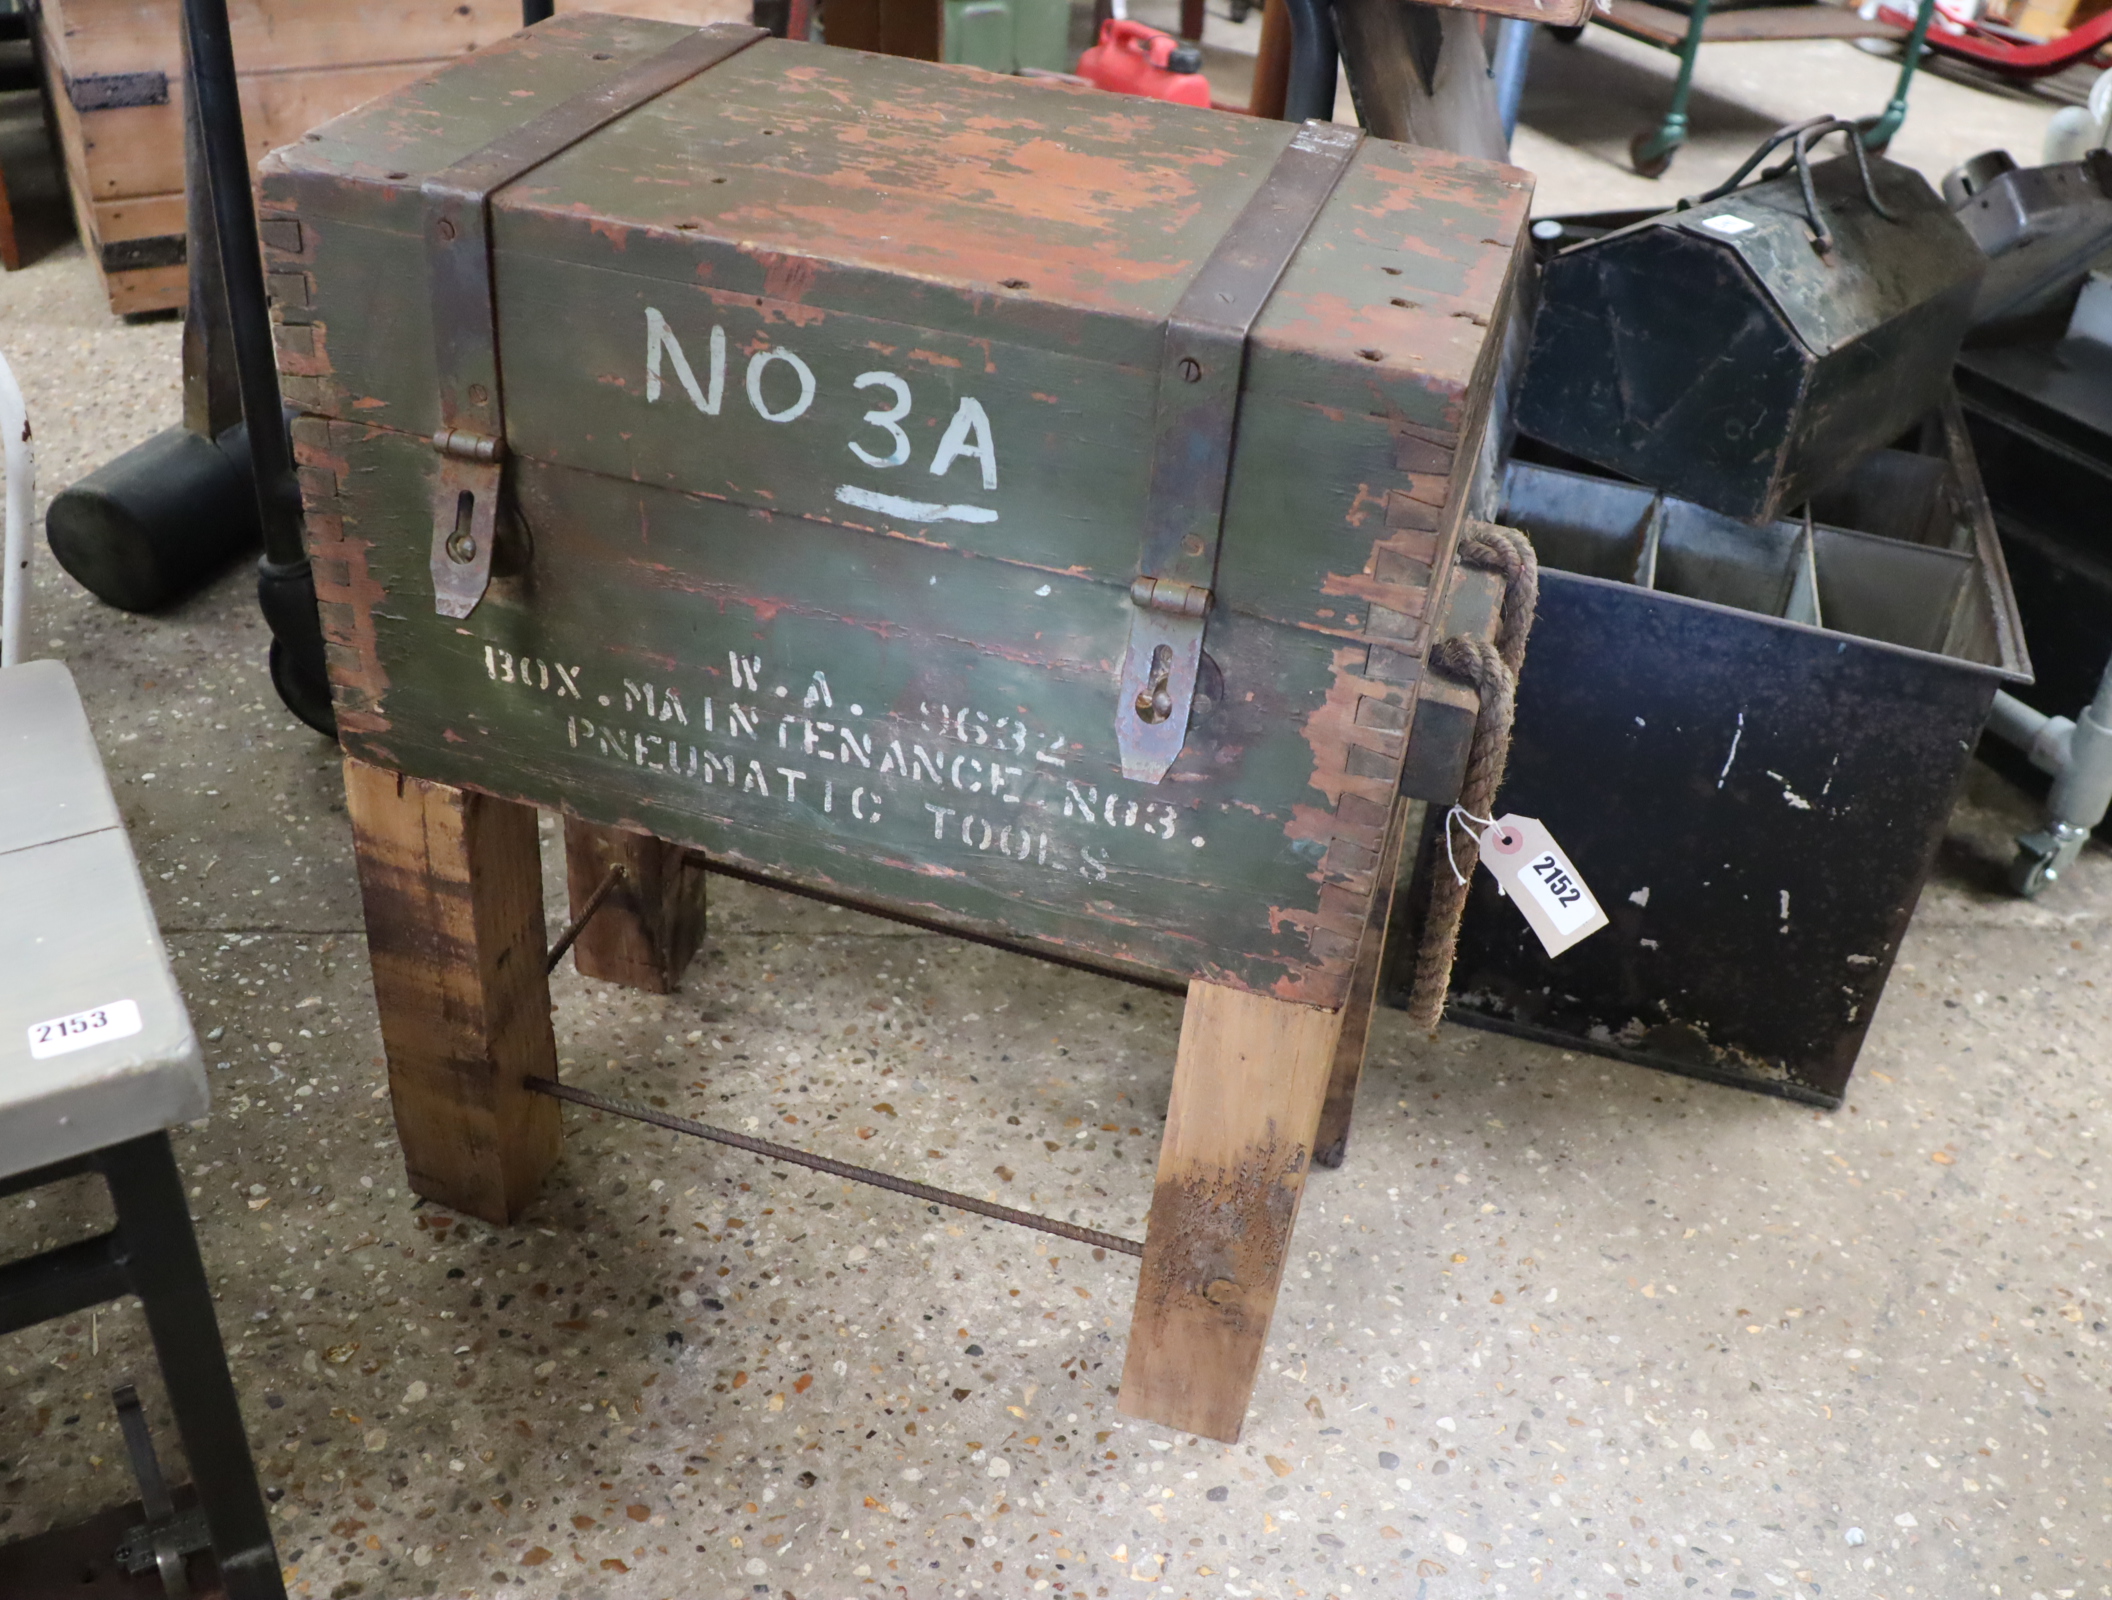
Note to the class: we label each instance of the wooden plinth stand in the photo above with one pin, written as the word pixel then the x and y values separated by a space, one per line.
pixel 453 894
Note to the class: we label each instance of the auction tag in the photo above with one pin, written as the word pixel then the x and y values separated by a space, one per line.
pixel 1534 872
pixel 64 1035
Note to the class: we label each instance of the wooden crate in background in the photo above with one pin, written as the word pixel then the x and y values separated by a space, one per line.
pixel 116 73
pixel 2049 19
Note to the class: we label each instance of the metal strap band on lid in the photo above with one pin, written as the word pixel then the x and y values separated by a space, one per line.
pixel 1201 370
pixel 471 438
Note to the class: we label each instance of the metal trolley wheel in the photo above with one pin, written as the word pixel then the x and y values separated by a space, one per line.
pixel 1649 153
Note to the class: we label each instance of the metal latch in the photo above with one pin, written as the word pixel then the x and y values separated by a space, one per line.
pixel 1201 367
pixel 465 320
pixel 465 518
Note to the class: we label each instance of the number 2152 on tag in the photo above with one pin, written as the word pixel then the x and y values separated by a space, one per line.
pixel 1524 858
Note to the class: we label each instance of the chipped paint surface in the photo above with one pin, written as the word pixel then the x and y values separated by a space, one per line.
pixel 876 283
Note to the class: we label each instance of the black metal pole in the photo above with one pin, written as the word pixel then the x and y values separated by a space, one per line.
pixel 534 11
pixel 1310 94
pixel 285 586
pixel 242 270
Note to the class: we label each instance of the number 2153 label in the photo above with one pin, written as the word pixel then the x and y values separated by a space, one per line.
pixel 63 1035
pixel 1524 858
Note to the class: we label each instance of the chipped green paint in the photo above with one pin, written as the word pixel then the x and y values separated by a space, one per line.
pixel 829 398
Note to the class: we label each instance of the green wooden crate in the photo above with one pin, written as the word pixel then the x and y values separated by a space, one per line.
pixel 832 387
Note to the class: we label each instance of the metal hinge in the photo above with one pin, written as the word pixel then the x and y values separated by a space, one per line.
pixel 1201 365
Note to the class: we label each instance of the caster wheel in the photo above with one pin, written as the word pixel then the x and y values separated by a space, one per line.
pixel 2030 873
pixel 1568 35
pixel 309 702
pixel 1649 166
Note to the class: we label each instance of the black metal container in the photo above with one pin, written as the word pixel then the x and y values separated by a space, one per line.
pixel 1748 740
pixel 1746 350
pixel 2039 407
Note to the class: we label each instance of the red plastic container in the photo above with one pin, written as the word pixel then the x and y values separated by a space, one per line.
pixel 1133 59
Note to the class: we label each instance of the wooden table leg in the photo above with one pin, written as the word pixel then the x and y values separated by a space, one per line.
pixel 1331 1142
pixel 648 929
pixel 452 883
pixel 10 251
pixel 1247 1089
pixel 1272 62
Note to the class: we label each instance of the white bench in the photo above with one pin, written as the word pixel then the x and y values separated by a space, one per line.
pixel 97 1062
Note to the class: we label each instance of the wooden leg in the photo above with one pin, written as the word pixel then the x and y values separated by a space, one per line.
pixel 1191 19
pixel 1331 1143
pixel 648 929
pixel 1272 62
pixel 1247 1089
pixel 452 883
pixel 10 252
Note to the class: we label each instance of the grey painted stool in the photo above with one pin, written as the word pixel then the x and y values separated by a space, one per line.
pixel 97 1062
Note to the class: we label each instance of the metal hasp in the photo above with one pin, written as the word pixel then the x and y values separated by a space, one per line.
pixel 471 441
pixel 1201 367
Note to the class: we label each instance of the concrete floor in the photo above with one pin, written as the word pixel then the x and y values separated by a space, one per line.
pixel 1561 1326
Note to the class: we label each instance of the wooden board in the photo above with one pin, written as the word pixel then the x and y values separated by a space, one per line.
pixel 138 150
pixel 1420 74
pixel 106 36
pixel 910 28
pixel 648 926
pixel 10 251
pixel 1667 28
pixel 300 63
pixel 1555 13
pixel 1247 1089
pixel 710 636
pixel 452 885
pixel 2049 19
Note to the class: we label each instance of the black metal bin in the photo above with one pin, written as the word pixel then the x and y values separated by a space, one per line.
pixel 1748 740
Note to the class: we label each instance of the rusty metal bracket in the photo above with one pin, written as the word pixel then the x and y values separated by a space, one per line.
pixel 773 1151
pixel 1201 367
pixel 471 440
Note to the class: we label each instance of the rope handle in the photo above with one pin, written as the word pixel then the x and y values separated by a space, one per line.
pixel 1491 669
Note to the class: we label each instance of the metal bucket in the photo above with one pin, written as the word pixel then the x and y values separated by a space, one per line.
pixel 1749 741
